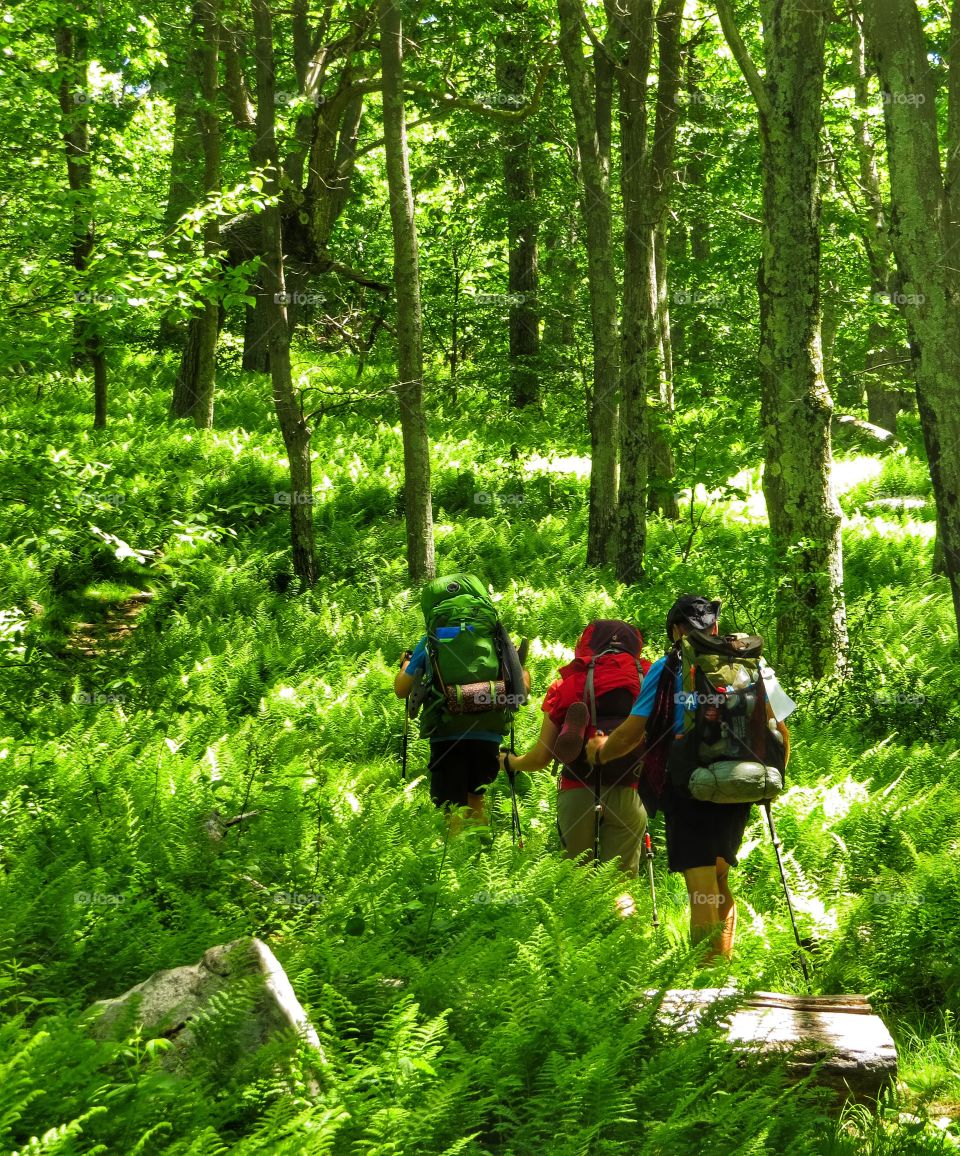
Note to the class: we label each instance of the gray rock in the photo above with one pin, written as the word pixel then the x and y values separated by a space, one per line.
pixel 176 1004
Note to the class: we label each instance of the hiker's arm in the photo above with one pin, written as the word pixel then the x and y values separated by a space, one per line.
pixel 782 728
pixel 403 682
pixel 540 755
pixel 621 741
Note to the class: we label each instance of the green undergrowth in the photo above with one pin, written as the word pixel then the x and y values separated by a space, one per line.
pixel 470 996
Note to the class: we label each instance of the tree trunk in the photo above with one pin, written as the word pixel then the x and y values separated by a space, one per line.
pixel 71 46
pixel 522 218
pixel 925 230
pixel 185 185
pixel 293 425
pixel 210 136
pixel 638 356
pixel 256 345
pixel 796 404
pixel 883 376
pixel 662 489
pixel 406 274
pixel 591 115
pixel 646 176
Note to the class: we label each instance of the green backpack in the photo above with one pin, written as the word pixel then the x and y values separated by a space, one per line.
pixel 474 680
pixel 728 752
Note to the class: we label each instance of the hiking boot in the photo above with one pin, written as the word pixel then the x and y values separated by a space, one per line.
pixel 570 739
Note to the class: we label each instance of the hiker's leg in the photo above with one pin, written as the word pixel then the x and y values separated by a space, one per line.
pixel 621 833
pixel 575 821
pixel 726 909
pixel 448 781
pixel 478 813
pixel 482 761
pixel 704 892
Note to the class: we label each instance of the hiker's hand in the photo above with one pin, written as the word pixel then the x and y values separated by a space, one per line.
pixel 593 746
pixel 405 658
pixel 526 680
pixel 503 760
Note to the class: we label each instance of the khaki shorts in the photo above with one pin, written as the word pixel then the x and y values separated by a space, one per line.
pixel 622 824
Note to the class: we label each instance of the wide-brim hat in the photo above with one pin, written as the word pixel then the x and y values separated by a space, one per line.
pixel 694 611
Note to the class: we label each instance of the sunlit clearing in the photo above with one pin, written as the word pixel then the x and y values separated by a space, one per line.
pixel 573 464
pixel 849 472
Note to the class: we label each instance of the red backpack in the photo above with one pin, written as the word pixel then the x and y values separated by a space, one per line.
pixel 606 674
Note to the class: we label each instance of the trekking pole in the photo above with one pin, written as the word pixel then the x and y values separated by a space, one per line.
pixel 407 655
pixel 597 813
pixel 786 892
pixel 648 853
pixel 516 830
pixel 406 737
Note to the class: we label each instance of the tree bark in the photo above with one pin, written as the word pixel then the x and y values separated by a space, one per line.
pixel 406 273
pixel 925 230
pixel 195 384
pixel 522 218
pixel 210 137
pixel 74 98
pixel 185 186
pixel 796 405
pixel 646 178
pixel 883 378
pixel 293 425
pixel 638 355
pixel 592 120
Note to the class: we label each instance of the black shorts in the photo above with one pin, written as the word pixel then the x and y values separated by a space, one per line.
pixel 700 833
pixel 461 767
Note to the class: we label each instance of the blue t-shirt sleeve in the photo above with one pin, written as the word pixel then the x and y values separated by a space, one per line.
pixel 418 660
pixel 648 691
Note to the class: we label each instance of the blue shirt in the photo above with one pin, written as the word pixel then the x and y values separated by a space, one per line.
pixel 418 665
pixel 648 695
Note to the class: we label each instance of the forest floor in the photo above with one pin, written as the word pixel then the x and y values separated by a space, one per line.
pixel 160 665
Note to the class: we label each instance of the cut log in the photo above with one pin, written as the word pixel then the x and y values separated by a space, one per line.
pixel 836 1038
pixel 853 431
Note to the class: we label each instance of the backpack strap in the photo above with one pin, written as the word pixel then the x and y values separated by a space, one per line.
pixel 659 732
pixel 589 692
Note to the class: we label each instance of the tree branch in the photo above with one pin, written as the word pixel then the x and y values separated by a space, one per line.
pixel 356 275
pixel 451 102
pixel 743 58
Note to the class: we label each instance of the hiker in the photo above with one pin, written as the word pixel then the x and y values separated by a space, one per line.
pixel 469 677
pixel 702 838
pixel 595 691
